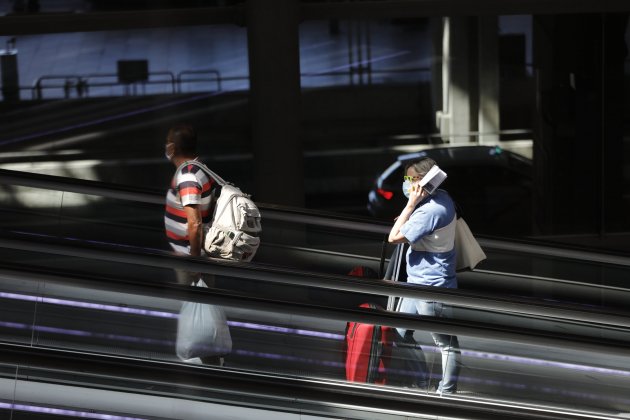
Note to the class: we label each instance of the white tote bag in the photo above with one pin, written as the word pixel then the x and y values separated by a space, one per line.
pixel 202 330
pixel 469 253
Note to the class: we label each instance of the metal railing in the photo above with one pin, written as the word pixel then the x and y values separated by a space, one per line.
pixel 454 297
pixel 68 83
pixel 198 77
pixel 80 85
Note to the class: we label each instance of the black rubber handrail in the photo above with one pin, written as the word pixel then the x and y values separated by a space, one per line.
pixel 251 389
pixel 154 196
pixel 298 215
pixel 293 277
pixel 455 297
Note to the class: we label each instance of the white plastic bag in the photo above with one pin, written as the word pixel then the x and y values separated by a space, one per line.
pixel 202 330
pixel 469 253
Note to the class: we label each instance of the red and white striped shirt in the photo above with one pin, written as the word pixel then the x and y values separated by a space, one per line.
pixel 190 185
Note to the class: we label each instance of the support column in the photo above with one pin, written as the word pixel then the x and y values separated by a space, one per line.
pixel 9 72
pixel 578 129
pixel 489 117
pixel 454 121
pixel 436 29
pixel 274 71
pixel 616 105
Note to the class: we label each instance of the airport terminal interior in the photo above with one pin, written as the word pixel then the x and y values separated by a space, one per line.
pixel 313 108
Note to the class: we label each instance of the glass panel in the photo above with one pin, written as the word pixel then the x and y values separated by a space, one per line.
pixel 357 52
pixel 19 302
pixel 8 373
pixel 552 267
pixel 300 245
pixel 80 216
pixel 123 223
pixel 124 63
pixel 401 72
pixel 518 369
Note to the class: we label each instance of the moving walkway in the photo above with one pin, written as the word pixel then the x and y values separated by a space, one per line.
pixel 300 239
pixel 109 310
pixel 119 333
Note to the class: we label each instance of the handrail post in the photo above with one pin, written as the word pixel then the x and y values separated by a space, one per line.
pixel 38 89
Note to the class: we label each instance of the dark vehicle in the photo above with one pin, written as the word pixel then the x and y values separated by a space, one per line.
pixel 492 186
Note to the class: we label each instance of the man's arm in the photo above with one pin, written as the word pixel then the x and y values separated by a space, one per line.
pixel 195 228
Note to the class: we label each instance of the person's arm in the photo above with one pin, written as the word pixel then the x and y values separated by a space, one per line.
pixel 195 228
pixel 416 195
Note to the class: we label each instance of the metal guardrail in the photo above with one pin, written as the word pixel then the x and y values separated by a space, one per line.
pixel 181 77
pixel 242 388
pixel 321 219
pixel 278 275
pixel 80 85
pixel 69 83
pixel 453 297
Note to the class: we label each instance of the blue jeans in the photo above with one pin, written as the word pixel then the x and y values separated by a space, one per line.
pixel 448 344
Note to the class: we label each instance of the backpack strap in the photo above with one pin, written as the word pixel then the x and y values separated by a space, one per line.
pixel 211 174
pixel 207 170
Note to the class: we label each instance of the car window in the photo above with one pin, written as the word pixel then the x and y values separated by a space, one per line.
pixel 394 172
pixel 491 197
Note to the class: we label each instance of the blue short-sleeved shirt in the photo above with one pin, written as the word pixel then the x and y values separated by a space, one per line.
pixel 430 268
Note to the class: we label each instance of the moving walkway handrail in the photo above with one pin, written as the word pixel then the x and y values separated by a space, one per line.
pixel 280 275
pixel 275 212
pixel 474 329
pixel 230 386
pixel 145 195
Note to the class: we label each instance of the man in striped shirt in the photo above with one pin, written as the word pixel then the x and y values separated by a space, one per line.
pixel 190 198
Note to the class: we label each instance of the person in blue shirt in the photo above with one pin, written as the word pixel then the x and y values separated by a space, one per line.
pixel 427 223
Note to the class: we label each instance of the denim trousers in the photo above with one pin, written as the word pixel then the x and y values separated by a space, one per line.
pixel 448 344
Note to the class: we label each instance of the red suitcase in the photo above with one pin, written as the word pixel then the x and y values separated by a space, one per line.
pixel 369 347
pixel 368 351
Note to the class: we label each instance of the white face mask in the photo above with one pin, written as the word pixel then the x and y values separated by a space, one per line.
pixel 406 186
pixel 168 155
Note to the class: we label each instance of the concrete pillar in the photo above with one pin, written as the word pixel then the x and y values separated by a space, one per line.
pixel 436 29
pixel 274 71
pixel 489 117
pixel 615 114
pixel 578 128
pixel 454 121
pixel 9 73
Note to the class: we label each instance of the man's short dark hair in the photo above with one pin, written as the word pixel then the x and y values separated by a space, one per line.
pixel 184 137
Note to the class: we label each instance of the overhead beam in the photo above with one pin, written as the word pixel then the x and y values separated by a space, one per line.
pixel 46 23
pixel 376 9
pixel 41 23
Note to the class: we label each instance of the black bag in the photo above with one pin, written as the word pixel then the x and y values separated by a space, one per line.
pixel 407 367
